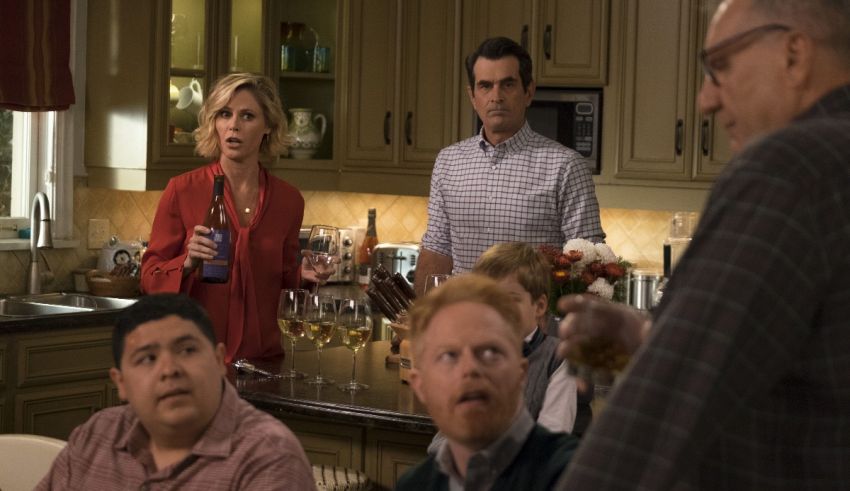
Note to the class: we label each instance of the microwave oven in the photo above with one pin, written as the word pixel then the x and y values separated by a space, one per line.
pixel 345 271
pixel 571 117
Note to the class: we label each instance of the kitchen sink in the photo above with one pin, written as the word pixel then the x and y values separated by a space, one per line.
pixel 59 303
pixel 15 308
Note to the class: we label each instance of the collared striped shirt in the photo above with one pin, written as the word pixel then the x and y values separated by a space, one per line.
pixel 242 448
pixel 744 382
pixel 525 189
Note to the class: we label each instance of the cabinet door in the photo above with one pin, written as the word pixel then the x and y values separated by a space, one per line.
pixel 390 454
pixel 372 81
pixel 658 95
pixel 56 412
pixel 429 67
pixel 508 18
pixel 329 444
pixel 712 148
pixel 573 42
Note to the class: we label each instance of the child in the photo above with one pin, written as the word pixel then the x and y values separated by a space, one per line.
pixel 550 392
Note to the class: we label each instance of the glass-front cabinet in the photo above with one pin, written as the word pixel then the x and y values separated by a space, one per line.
pixel 205 40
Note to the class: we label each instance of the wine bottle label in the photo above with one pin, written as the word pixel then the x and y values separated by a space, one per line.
pixel 219 265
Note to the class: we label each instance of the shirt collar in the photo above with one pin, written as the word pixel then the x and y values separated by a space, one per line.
pixel 214 442
pixel 488 463
pixel 514 144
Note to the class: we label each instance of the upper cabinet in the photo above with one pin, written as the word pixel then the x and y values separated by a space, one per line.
pixel 307 57
pixel 567 39
pixel 143 97
pixel 400 105
pixel 662 136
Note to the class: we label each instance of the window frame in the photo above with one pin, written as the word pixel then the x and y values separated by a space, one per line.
pixel 47 147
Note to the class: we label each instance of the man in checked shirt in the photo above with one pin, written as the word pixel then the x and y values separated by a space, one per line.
pixel 744 380
pixel 508 183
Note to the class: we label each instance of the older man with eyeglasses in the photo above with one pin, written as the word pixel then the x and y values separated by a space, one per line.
pixel 744 380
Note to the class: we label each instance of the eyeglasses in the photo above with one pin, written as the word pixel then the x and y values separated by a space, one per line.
pixel 742 40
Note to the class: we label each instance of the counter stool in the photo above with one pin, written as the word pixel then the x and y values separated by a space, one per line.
pixel 331 478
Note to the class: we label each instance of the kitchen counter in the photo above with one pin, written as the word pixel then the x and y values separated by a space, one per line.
pixel 382 431
pixel 387 403
pixel 34 324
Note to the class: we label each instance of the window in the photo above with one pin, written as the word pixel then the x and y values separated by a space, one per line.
pixel 41 151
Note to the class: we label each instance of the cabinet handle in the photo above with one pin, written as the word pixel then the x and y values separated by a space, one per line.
pixel 680 127
pixel 523 37
pixel 408 122
pixel 704 137
pixel 387 119
pixel 547 42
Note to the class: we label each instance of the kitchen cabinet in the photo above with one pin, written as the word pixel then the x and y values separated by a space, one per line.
pixel 51 381
pixel 401 103
pixel 142 97
pixel 662 136
pixel 391 454
pixel 308 85
pixel 567 39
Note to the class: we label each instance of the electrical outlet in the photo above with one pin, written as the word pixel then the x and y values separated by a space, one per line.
pixel 98 232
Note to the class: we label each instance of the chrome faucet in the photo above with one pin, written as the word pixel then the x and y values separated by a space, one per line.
pixel 40 238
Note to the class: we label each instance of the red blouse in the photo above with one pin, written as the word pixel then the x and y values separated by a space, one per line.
pixel 243 310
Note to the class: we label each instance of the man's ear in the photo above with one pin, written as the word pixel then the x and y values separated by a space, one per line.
pixel 799 58
pixel 219 351
pixel 415 382
pixel 530 92
pixel 118 379
pixel 471 95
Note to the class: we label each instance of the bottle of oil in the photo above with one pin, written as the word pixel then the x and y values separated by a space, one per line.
pixel 364 254
pixel 217 270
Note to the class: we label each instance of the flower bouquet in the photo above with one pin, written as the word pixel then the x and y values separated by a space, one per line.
pixel 584 267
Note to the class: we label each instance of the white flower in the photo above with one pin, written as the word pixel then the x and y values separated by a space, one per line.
pixel 606 254
pixel 602 288
pixel 587 249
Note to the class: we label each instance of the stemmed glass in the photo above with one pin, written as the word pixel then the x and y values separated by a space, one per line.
pixel 434 280
pixel 291 320
pixel 321 323
pixel 355 329
pixel 323 244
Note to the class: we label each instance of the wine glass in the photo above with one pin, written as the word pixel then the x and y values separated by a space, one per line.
pixel 434 280
pixel 355 329
pixel 291 320
pixel 323 245
pixel 321 323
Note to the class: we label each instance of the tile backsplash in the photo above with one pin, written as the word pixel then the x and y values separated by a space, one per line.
pixel 637 235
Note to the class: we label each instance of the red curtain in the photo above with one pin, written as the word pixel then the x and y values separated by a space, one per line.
pixel 35 43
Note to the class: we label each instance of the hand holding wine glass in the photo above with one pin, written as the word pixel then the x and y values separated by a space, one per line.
pixel 292 320
pixel 434 280
pixel 598 337
pixel 321 254
pixel 355 329
pixel 321 324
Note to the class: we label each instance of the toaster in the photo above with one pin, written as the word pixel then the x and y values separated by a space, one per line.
pixel 397 257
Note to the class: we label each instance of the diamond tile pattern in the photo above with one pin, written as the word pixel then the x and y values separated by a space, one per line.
pixel 637 235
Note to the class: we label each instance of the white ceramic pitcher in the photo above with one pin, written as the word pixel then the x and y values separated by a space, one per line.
pixel 305 138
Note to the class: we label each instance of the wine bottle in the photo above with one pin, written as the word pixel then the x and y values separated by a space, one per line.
pixel 217 269
pixel 364 254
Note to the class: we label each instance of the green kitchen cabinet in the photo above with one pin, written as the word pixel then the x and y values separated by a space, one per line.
pixel 51 381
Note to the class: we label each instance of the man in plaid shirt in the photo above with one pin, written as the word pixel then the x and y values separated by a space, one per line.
pixel 744 380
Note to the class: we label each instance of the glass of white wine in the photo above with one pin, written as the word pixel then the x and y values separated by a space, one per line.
pixel 291 321
pixel 321 324
pixel 355 329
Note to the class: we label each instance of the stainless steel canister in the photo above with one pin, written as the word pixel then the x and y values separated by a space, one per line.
pixel 643 289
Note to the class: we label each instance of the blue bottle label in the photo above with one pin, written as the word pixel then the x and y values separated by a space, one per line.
pixel 218 266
